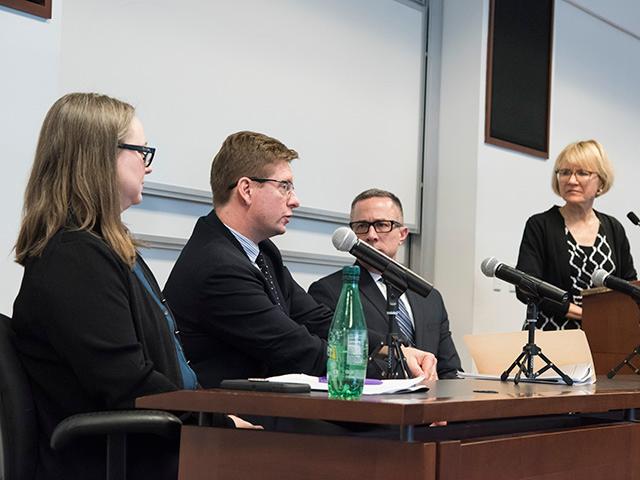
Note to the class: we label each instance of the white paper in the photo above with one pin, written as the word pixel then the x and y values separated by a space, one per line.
pixel 387 386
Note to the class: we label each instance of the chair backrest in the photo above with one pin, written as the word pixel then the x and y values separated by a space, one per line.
pixel 18 423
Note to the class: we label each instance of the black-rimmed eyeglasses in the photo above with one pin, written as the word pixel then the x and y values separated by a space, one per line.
pixel 284 185
pixel 380 226
pixel 147 152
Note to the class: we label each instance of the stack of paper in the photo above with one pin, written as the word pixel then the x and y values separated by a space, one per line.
pixel 371 386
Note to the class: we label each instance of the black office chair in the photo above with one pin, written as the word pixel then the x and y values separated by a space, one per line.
pixel 19 430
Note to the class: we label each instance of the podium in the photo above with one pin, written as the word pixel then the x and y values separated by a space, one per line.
pixel 611 321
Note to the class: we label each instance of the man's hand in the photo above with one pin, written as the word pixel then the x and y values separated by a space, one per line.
pixel 421 363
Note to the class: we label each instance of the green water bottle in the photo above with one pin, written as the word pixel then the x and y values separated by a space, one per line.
pixel 348 345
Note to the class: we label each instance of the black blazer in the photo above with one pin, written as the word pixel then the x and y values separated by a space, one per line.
pixel 90 338
pixel 229 326
pixel 429 314
pixel 545 255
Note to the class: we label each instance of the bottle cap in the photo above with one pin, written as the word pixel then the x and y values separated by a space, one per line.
pixel 351 273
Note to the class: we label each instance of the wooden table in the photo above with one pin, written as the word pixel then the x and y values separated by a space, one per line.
pixel 496 430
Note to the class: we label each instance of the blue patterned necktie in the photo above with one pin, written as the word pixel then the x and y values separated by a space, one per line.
pixel 264 268
pixel 404 321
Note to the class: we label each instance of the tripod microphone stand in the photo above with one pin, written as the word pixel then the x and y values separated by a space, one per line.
pixel 525 361
pixel 395 365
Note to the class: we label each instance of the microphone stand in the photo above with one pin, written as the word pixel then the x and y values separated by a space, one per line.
pixel 627 360
pixel 395 365
pixel 525 360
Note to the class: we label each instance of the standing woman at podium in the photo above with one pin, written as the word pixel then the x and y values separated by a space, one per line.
pixel 89 332
pixel 565 245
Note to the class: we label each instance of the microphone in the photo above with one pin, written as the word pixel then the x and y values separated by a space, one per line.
pixel 634 218
pixel 602 278
pixel 532 286
pixel 345 240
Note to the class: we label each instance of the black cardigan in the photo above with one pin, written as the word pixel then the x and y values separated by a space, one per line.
pixel 90 338
pixel 544 253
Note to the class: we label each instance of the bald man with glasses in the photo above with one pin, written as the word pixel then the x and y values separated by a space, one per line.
pixel 377 219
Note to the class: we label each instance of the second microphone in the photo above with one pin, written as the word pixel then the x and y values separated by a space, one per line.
pixel 345 240
pixel 529 285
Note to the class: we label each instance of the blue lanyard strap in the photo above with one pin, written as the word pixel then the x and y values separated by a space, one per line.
pixel 189 378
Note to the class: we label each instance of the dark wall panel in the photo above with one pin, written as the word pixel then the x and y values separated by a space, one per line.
pixel 518 75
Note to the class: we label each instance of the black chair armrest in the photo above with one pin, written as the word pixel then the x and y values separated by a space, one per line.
pixel 153 422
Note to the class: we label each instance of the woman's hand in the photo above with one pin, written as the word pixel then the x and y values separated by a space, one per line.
pixel 574 312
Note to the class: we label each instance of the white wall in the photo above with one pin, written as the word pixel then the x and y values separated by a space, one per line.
pixel 460 108
pixel 30 57
pixel 338 81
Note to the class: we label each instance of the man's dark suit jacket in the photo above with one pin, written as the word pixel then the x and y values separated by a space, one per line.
pixel 228 325
pixel 430 317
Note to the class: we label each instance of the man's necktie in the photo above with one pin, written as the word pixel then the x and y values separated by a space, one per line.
pixel 404 321
pixel 264 268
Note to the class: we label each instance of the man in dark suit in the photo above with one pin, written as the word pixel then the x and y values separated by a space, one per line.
pixel 376 218
pixel 239 311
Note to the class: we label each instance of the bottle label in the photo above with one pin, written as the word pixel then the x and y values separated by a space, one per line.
pixel 356 343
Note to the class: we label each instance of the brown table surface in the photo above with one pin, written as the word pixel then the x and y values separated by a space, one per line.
pixel 452 400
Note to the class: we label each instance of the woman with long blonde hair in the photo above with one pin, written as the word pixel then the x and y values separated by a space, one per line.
pixel 92 328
